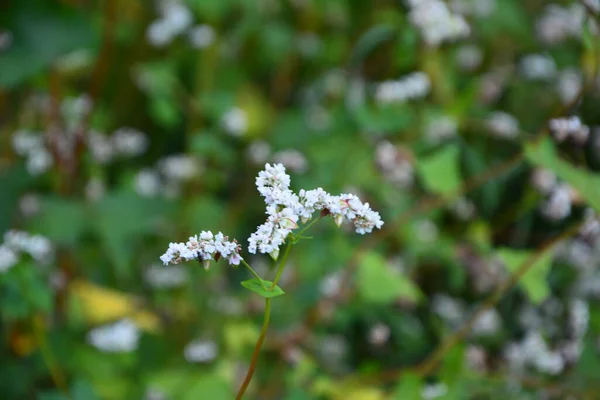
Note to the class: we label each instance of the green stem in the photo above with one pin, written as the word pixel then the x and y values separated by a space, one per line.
pixel 314 221
pixel 286 253
pixel 253 272
pixel 256 352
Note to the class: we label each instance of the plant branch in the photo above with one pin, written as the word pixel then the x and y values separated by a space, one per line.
pixel 253 272
pixel 286 253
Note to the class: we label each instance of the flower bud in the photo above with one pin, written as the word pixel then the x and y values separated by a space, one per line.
pixel 274 254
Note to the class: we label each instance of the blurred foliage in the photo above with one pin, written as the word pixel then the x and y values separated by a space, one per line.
pixel 214 89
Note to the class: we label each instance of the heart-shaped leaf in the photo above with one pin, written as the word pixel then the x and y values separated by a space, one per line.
pixel 258 288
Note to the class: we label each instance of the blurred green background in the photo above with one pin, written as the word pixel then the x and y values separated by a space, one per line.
pixel 129 124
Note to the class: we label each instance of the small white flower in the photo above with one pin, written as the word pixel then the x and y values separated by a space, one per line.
pixel 558 205
pixel 205 247
pixel 235 121
pixel 179 167
pixel 436 22
pixel 130 142
pixel 39 161
pixel 147 183
pixel 292 159
pixel 201 351
pixel 469 57
pixel 503 125
pixel 538 66
pixel 119 337
pixel 563 128
pixel 8 258
pixel 202 36
pixel 412 86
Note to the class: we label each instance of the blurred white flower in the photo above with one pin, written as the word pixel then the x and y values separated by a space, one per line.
pixel 436 22
pixel 396 166
pixel 174 19
pixel 259 152
pixel 95 189
pixel 564 128
pixel 434 391
pixel 163 278
pixel 477 8
pixel 129 142
pixel 426 231
pixel 8 258
pixel 235 121
pixel 538 66
pixel 503 125
pixel 25 141
pixel 147 182
pixel 412 86
pixel 292 159
pixel 559 23
pixel 331 284
pixel 201 351
pixel 463 208
pixel 379 334
pixel 37 246
pixel 202 36
pixel 469 57
pixel 119 337
pixel 29 205
pixel 558 204
pixel 308 44
pixel 179 167
pixel 569 85
pixel 39 161
pixel 441 128
pixel 487 323
pixel 543 180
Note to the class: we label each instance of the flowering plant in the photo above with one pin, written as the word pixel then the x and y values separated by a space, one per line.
pixel 284 209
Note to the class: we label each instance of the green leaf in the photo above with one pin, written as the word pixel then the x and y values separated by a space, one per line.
pixel 409 387
pixel 586 183
pixel 62 220
pixel 534 281
pixel 208 387
pixel 255 286
pixel 440 170
pixel 377 283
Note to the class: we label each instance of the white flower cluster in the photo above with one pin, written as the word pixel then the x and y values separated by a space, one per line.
pixel 201 351
pixel 538 67
pixel 436 22
pixel 119 337
pixel 6 39
pixel 235 121
pixel 17 243
pixel 204 248
pixel 284 208
pixel 559 23
pixel 396 165
pixel 124 142
pixel 31 145
pixel 533 352
pixel 503 125
pixel 559 195
pixel 469 57
pixel 412 86
pixel 565 128
pixel 171 172
pixel 176 19
pixel 569 85
pixel 441 129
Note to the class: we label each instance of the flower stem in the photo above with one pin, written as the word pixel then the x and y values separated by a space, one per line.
pixel 305 228
pixel 256 352
pixel 286 253
pixel 253 272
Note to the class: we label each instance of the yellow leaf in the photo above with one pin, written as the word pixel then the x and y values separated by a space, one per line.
pixel 98 305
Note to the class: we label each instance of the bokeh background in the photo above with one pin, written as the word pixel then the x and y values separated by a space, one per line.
pixel 470 125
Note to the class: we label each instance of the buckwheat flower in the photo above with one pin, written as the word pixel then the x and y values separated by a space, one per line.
pixel 164 278
pixel 436 22
pixel 412 86
pixel 503 125
pixel 569 85
pixel 395 164
pixel 538 66
pixel 8 258
pixel 204 248
pixel 130 142
pixel 235 121
pixel 179 167
pixel 361 215
pixel 469 57
pixel 272 181
pixel 29 205
pixel 39 161
pixel 434 391
pixel 379 334
pixel 259 152
pixel 201 351
pixel 543 180
pixel 120 337
pixel 563 128
pixel 292 159
pixel 147 183
pixel 24 142
pixel 487 323
pixel 94 189
pixel 37 246
pixel 101 147
pixel 441 128
pixel 559 23
pixel 558 204
pixel 159 33
pixel 579 317
pixel 202 36
pixel 177 16
pixel 593 5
